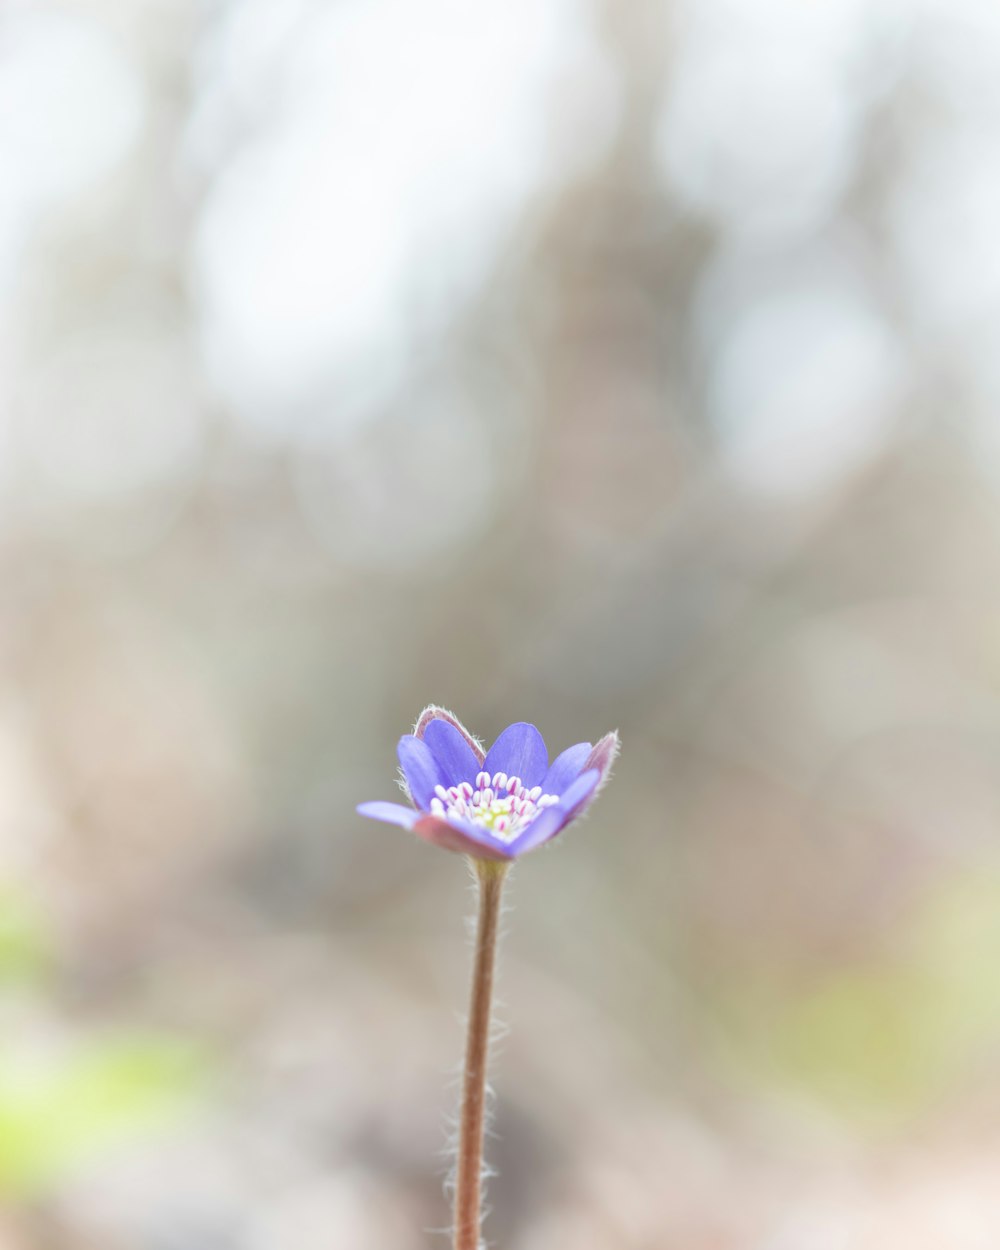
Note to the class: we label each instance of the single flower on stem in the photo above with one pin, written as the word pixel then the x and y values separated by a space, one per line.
pixel 493 806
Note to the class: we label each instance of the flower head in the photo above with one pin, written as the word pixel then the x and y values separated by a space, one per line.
pixel 494 804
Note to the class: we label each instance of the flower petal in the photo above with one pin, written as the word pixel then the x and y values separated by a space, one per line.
pixel 604 754
pixel 460 836
pixel 565 768
pixel 555 818
pixel 575 799
pixel 519 752
pixel 433 713
pixel 455 758
pixel 420 769
pixel 393 813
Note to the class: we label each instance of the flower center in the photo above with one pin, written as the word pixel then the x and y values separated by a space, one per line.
pixel 499 804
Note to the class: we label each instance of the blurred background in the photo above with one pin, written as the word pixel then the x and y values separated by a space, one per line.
pixel 598 365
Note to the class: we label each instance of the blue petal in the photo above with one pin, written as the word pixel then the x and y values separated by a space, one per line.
pixel 454 756
pixel 432 713
pixel 558 816
pixel 519 752
pixel 566 768
pixel 573 800
pixel 394 813
pixel 420 769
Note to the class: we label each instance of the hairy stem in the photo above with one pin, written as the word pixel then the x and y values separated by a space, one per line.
pixel 468 1185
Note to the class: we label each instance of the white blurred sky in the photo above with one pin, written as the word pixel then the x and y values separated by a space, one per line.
pixel 357 169
pixel 399 147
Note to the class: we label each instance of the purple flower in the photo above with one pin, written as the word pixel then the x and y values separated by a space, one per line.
pixel 496 804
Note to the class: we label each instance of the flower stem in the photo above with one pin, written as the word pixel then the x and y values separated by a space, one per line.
pixel 468 1185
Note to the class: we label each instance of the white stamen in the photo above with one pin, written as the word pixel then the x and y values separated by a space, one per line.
pixel 499 804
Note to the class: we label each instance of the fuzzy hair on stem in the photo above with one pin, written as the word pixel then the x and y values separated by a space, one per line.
pixel 472 1115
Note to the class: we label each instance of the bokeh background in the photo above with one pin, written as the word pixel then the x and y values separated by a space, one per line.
pixel 601 365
